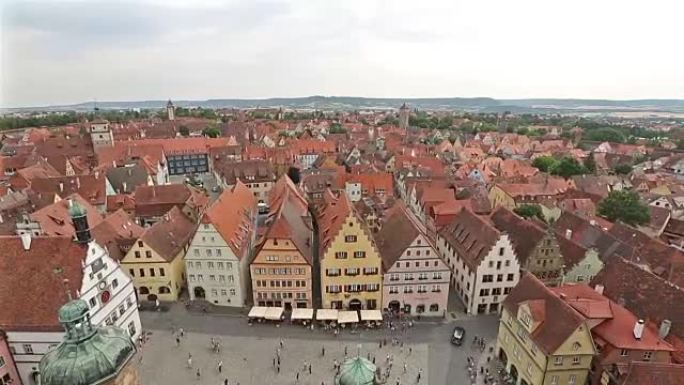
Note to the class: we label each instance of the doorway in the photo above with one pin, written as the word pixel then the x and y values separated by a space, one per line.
pixel 355 304
pixel 199 292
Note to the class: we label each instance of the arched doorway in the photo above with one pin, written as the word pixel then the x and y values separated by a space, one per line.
pixel 143 290
pixel 152 297
pixel 164 290
pixel 394 306
pixel 199 292
pixel 355 304
pixel 503 357
pixel 514 374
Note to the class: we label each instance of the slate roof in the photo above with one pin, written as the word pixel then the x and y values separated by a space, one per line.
pixel 132 176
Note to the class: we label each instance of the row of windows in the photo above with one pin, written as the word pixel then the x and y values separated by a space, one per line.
pixel 499 278
pixel 210 265
pixel 417 263
pixel 352 271
pixel 212 277
pixel 495 291
pixel 224 293
pixel 152 272
pixel 353 288
pixel 507 263
pixel 278 295
pixel 208 252
pixel 411 276
pixel 119 312
pixel 265 283
pixel 344 254
pixel 418 289
pixel 280 271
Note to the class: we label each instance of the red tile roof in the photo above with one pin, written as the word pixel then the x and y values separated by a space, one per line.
pixel 653 373
pixel 32 287
pixel 90 187
pixel 524 234
pixel 233 214
pixel 55 220
pixel 399 230
pixel 471 236
pixel 169 235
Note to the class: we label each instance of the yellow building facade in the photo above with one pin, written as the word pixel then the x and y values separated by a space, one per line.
pixel 536 350
pixel 350 268
pixel 153 276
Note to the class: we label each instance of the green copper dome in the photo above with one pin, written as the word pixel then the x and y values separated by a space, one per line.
pixel 88 355
pixel 75 209
pixel 356 371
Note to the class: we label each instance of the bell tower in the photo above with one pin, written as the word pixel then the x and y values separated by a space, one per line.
pixel 170 110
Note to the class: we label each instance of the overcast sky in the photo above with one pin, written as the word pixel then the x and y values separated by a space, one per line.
pixel 56 52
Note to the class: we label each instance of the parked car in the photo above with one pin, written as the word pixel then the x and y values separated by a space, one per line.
pixel 458 336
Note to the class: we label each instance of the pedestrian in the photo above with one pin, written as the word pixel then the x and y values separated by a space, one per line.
pixel 345 350
pixel 481 369
pixel 278 368
pixel 274 362
pixel 198 373
pixel 189 360
pixel 182 332
pixel 281 343
pixel 225 381
pixel 373 360
pixel 405 367
pixel 420 373
pixel 278 360
pixel 323 351
pixel 309 369
pixel 297 377
pixel 220 366
pixel 410 350
pixel 177 341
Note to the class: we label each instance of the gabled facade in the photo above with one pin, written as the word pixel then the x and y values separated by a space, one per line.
pixel 541 339
pixel 155 261
pixel 282 267
pixel 416 279
pixel 536 248
pixel 484 267
pixel 349 260
pixel 217 260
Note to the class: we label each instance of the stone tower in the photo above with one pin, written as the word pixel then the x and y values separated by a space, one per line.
pixel 88 355
pixel 404 116
pixel 101 134
pixel 171 110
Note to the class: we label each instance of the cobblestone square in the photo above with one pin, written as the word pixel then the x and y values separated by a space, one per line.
pixel 250 360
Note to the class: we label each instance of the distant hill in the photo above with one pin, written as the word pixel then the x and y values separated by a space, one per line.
pixel 348 102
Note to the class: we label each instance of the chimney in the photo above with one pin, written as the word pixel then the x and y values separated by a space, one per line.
pixel 26 240
pixel 123 187
pixel 97 174
pixel 664 328
pixel 639 329
pixel 61 186
pixel 592 222
pixel 568 234
pixel 599 289
pixel 78 182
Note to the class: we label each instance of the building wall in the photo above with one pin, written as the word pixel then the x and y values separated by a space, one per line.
pixel 372 260
pixel 353 191
pixel 8 369
pixel 534 365
pixel 478 293
pixel 419 267
pixel 173 277
pixel 586 269
pixel 28 348
pixel 209 255
pixel 281 276
pixel 498 197
pixel 546 261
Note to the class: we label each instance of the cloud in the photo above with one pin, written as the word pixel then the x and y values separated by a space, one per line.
pixel 56 51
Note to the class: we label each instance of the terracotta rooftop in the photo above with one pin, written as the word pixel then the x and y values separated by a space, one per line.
pixel 399 230
pixel 55 220
pixel 652 373
pixel 39 279
pixel 90 187
pixel 169 235
pixel 524 234
pixel 471 236
pixel 232 214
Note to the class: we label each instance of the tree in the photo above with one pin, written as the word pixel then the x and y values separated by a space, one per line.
pixel 605 135
pixel 625 206
pixel 529 211
pixel 567 167
pixel 294 174
pixel 212 132
pixel 544 163
pixel 184 130
pixel 590 163
pixel 622 169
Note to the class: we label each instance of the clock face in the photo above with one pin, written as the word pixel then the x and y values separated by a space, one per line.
pixel 104 296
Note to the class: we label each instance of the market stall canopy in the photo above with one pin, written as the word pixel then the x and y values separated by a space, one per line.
pixel 346 317
pixel 371 315
pixel 326 314
pixel 257 312
pixel 302 314
pixel 273 313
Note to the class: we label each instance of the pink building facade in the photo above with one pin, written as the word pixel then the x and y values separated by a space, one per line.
pixel 8 370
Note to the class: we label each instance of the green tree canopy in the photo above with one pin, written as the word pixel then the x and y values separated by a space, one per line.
pixel 529 211
pixel 184 130
pixel 212 132
pixel 625 206
pixel 605 135
pixel 544 163
pixel 622 169
pixel 567 167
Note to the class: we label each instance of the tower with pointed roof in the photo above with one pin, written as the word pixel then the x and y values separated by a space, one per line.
pixel 88 354
pixel 170 111
pixel 404 112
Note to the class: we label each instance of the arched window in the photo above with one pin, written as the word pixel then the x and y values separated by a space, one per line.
pixel 164 290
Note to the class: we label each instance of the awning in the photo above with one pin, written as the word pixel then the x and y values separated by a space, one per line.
pixel 346 317
pixel 371 315
pixel 302 314
pixel 257 312
pixel 273 313
pixel 326 314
